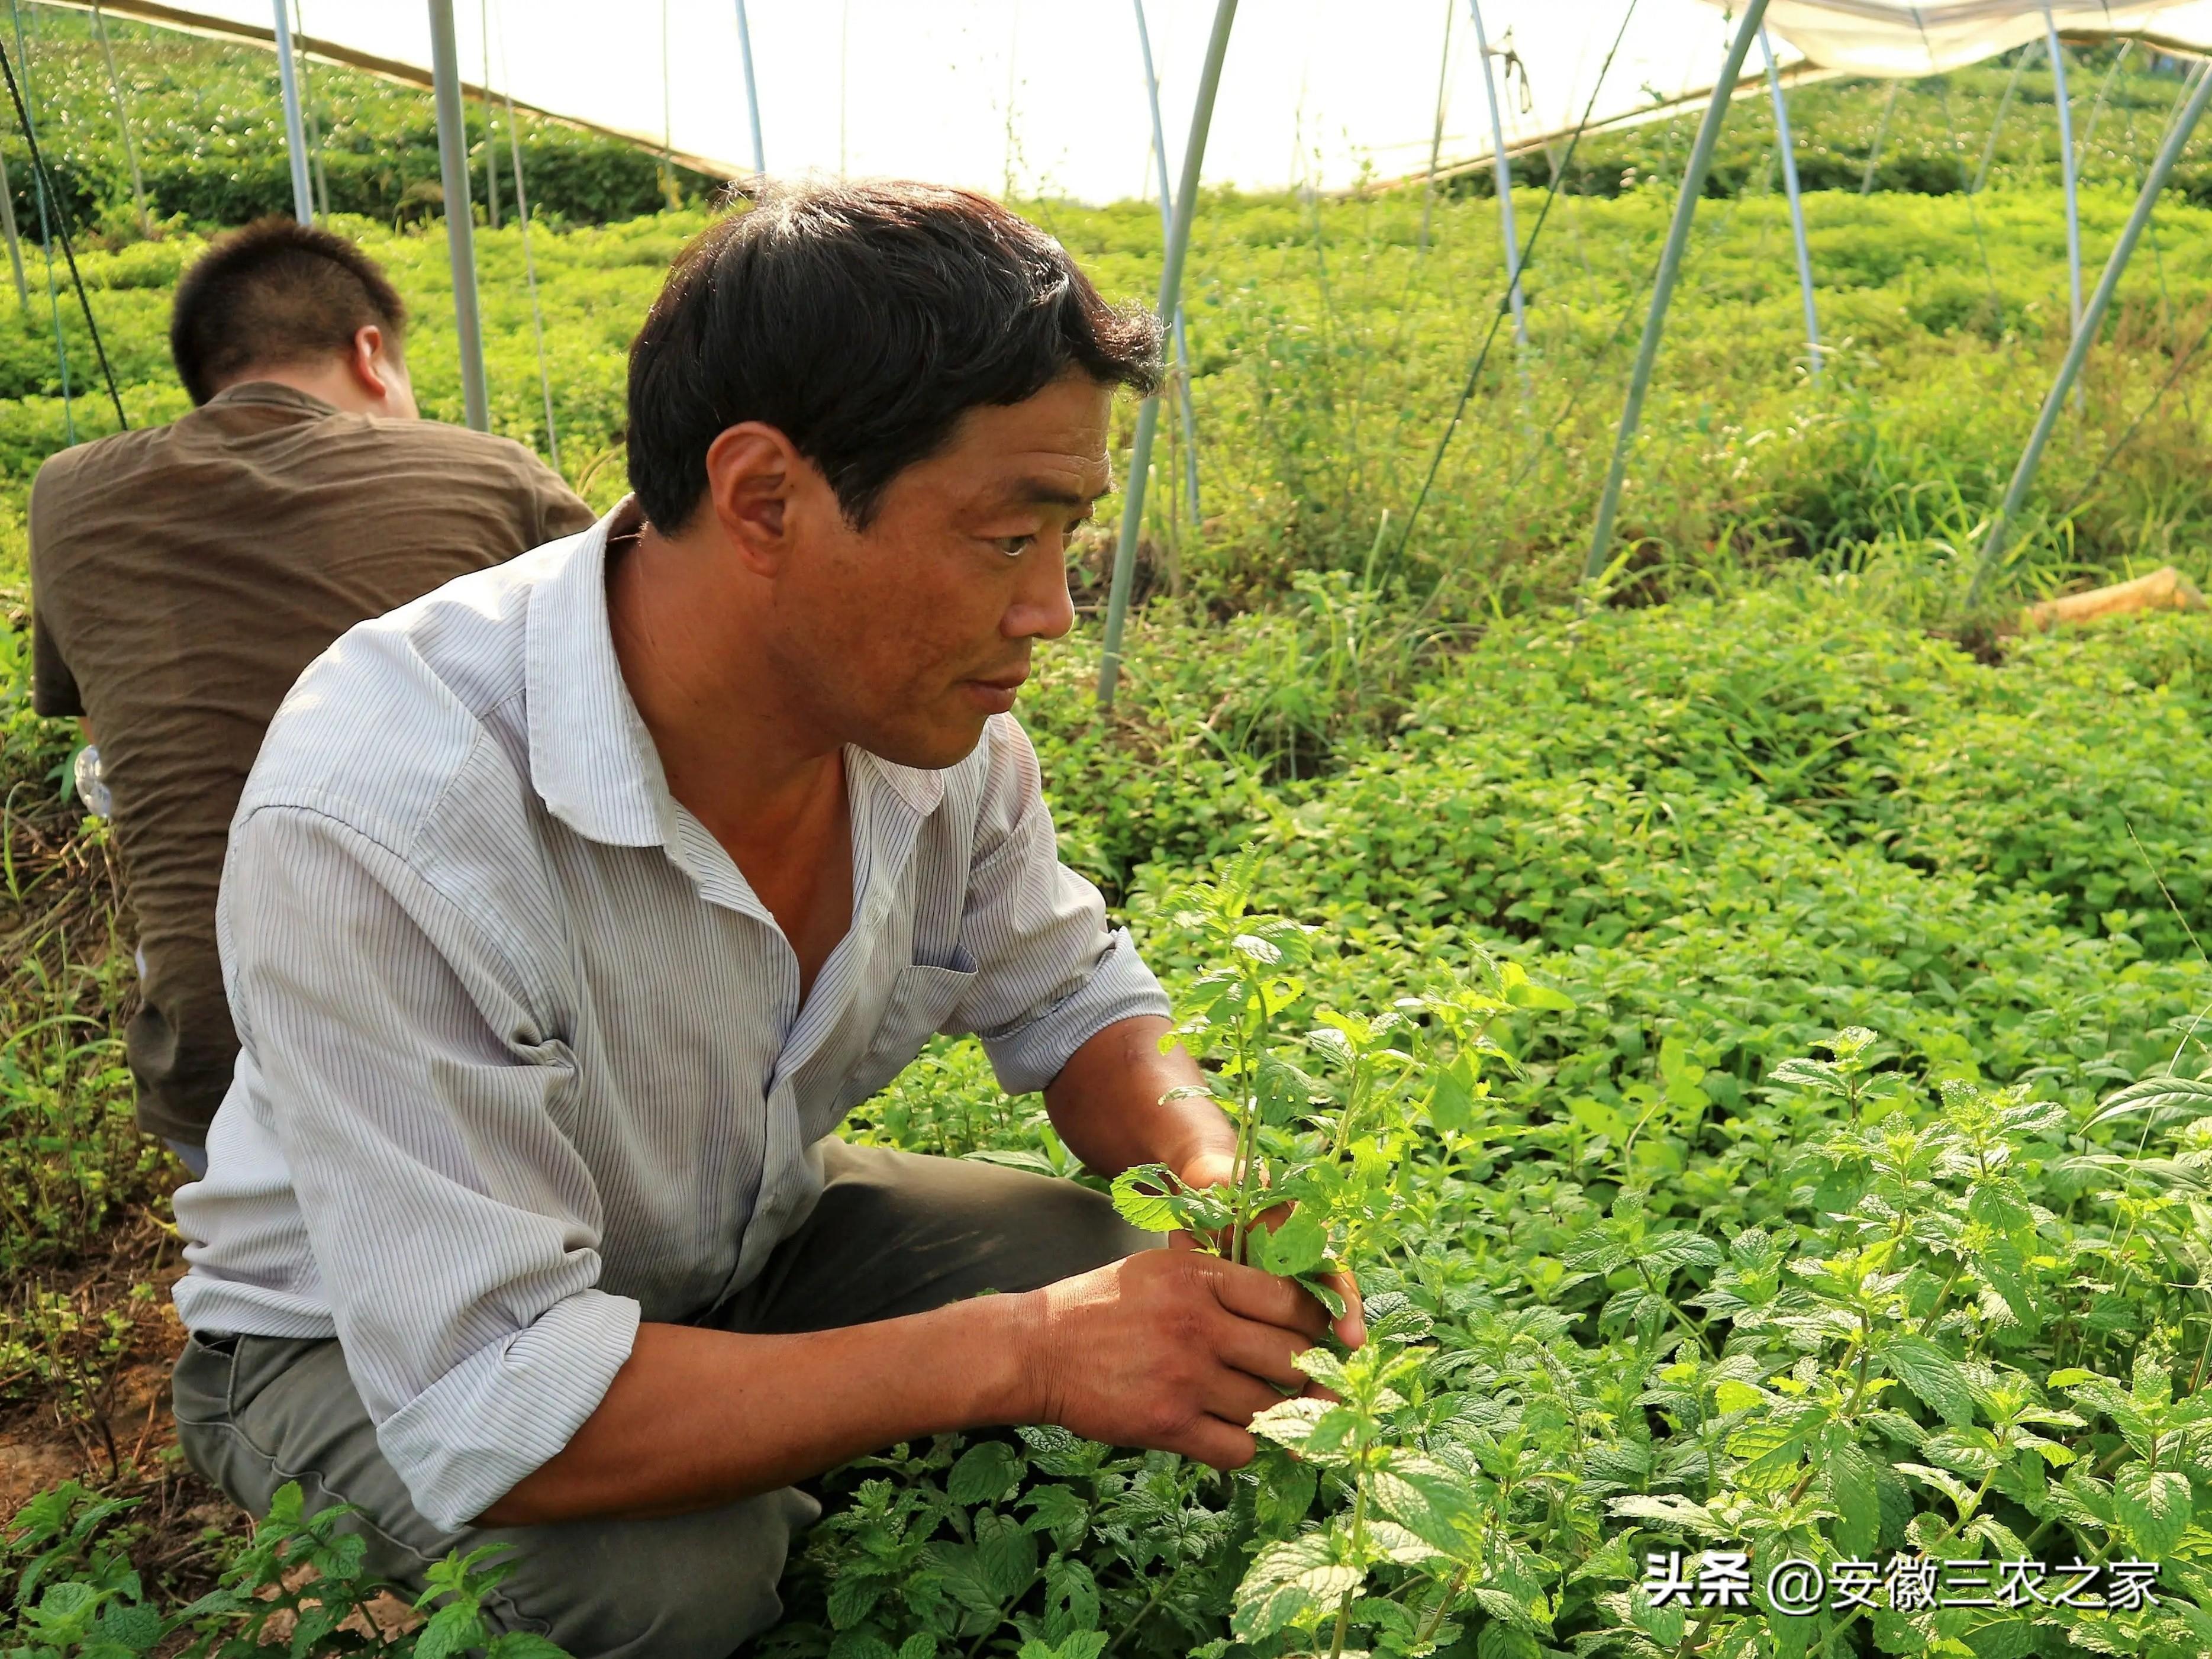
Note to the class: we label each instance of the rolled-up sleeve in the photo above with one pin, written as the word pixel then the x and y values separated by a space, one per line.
pixel 1049 973
pixel 411 1078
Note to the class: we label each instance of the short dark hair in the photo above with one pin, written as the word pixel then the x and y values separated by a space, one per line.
pixel 861 320
pixel 275 292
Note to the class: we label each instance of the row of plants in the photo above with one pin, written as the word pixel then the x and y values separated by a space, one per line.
pixel 1329 353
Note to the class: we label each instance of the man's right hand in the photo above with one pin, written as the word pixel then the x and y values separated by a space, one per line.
pixel 1170 1350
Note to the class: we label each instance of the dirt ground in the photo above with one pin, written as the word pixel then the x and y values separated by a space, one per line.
pixel 101 1417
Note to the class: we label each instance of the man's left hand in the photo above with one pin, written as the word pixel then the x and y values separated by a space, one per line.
pixel 1219 1169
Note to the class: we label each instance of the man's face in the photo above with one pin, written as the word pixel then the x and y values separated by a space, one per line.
pixel 912 633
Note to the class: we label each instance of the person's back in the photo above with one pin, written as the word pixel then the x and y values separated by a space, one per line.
pixel 183 577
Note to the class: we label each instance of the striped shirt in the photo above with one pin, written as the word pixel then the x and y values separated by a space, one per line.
pixel 524 1059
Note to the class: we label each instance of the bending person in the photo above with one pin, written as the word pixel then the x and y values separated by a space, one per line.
pixel 570 908
pixel 182 576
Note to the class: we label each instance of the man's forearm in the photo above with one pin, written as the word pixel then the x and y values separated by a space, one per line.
pixel 1110 1104
pixel 1165 1349
pixel 697 1418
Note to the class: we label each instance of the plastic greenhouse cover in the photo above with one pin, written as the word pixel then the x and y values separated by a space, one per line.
pixel 1030 97
pixel 1896 38
pixel 1046 97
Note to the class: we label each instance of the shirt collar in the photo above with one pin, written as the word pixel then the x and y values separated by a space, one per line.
pixel 272 392
pixel 592 760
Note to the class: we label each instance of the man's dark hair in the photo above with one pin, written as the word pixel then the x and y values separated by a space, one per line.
pixel 862 321
pixel 274 293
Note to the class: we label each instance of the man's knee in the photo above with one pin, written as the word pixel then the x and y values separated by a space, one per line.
pixel 254 1413
pixel 682 1587
pixel 1009 1229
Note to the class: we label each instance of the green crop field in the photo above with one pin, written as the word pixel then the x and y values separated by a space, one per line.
pixel 1744 1032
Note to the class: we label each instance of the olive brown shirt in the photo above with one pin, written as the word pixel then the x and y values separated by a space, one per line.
pixel 181 579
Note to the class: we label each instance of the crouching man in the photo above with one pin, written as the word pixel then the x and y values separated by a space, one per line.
pixel 569 909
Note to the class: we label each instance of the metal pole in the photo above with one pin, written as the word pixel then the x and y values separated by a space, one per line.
pixel 1662 285
pixel 753 94
pixel 491 138
pixel 1502 172
pixel 2093 317
pixel 528 261
pixel 122 120
pixel 460 227
pixel 1148 414
pixel 15 241
pixel 2097 104
pixel 1796 201
pixel 307 110
pixel 1167 230
pixel 295 137
pixel 1881 132
pixel 1996 126
pixel 1435 132
pixel 2066 169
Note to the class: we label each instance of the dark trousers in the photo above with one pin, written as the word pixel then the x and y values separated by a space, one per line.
pixel 893 1234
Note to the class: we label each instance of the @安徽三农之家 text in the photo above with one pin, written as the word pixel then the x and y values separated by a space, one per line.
pixel 1725 1578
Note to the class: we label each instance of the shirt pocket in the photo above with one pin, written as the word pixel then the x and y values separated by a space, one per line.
pixel 922 998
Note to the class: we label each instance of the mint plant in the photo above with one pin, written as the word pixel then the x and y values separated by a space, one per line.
pixel 299 1585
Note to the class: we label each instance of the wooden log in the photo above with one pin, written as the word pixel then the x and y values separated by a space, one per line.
pixel 2161 590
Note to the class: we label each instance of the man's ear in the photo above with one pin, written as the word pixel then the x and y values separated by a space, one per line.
pixel 753 475
pixel 368 360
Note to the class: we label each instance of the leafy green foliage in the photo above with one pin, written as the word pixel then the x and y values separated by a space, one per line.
pixel 1748 1048
pixel 1955 1338
pixel 75 1596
